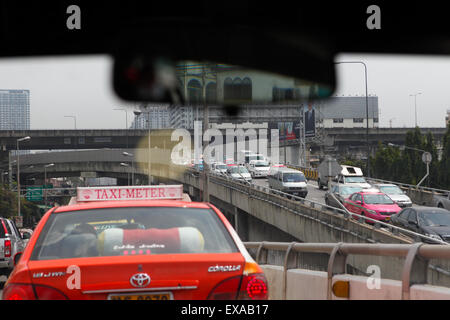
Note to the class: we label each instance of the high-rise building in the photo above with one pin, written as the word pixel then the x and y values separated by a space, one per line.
pixel 152 117
pixel 14 109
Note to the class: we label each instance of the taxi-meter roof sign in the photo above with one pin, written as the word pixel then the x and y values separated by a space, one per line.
pixel 160 192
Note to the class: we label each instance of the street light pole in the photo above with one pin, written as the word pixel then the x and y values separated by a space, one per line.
pixel 132 165
pixel 123 164
pixel 126 122
pixel 367 112
pixel 74 119
pixel 415 105
pixel 426 158
pixel 45 182
pixel 18 172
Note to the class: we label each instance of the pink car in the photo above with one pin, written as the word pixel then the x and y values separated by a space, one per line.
pixel 375 205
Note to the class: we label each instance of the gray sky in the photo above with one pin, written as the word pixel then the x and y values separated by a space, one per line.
pixel 82 87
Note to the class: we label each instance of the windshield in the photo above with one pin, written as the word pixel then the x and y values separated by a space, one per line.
pixel 122 231
pixel 435 219
pixel 239 170
pixel 349 190
pixel 293 177
pixel 355 180
pixel 392 190
pixel 221 166
pixel 261 164
pixel 377 199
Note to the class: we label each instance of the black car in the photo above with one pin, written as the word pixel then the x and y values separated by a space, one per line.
pixel 430 221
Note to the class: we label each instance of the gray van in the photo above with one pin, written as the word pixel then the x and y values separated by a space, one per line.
pixel 289 181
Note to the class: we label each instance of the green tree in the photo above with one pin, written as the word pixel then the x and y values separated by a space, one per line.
pixel 444 163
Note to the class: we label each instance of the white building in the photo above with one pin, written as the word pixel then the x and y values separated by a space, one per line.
pixel 14 109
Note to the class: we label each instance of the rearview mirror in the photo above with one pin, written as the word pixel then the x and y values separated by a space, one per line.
pixel 183 62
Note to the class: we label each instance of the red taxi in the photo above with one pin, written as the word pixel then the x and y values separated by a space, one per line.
pixel 135 243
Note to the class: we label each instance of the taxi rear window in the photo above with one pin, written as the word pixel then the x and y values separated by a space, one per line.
pixel 131 231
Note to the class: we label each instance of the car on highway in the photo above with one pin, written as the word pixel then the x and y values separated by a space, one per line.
pixel 373 204
pixel 430 221
pixel 289 181
pixel 135 243
pixel 258 168
pixel 340 192
pixel 395 193
pixel 239 173
pixel 275 167
pixel 11 242
pixel 219 167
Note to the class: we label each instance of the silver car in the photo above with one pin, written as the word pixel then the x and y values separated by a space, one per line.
pixel 395 193
pixel 11 242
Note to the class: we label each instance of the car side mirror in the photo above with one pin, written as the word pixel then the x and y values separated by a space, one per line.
pixel 414 223
pixel 358 202
pixel 17 258
pixel 26 236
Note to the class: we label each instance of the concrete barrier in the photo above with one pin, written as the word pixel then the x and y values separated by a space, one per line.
pixel 305 284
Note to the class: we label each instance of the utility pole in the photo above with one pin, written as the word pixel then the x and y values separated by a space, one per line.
pixel 205 127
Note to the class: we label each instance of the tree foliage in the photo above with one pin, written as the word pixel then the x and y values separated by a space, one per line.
pixel 406 165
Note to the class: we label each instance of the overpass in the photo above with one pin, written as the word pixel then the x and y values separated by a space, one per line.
pixel 262 216
pixel 132 138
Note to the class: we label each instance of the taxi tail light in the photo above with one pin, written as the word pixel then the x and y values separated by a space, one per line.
pixel 27 292
pixel 252 285
pixel 7 248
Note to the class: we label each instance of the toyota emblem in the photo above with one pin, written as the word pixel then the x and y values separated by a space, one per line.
pixel 140 280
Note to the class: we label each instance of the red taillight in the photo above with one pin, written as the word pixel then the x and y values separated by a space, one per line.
pixel 254 287
pixel 245 287
pixel 26 292
pixel 7 248
pixel 18 292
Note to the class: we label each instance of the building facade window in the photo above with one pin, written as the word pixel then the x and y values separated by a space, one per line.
pixel 338 120
pixel 237 89
pixel 194 89
pixel 358 120
pixel 211 92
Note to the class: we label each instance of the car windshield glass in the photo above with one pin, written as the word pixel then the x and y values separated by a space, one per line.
pixel 394 190
pixel 261 164
pixel 349 190
pixel 130 231
pixel 355 180
pixel 435 219
pixel 239 170
pixel 377 199
pixel 221 166
pixel 293 177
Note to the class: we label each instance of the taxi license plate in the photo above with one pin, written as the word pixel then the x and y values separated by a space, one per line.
pixel 388 218
pixel 142 296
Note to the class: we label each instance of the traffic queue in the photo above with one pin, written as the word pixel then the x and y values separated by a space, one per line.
pixel 135 243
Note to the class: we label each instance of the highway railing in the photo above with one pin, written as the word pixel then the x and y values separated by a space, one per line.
pixel 417 257
pixel 312 174
pixel 245 187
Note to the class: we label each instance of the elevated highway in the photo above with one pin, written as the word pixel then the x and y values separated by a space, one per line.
pixel 259 214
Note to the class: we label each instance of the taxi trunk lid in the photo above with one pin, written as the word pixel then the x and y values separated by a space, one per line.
pixel 164 276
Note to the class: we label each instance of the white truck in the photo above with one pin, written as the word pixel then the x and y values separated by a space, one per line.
pixel 330 170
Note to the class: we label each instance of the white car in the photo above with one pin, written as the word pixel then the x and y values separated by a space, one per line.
pixel 396 194
pixel 258 168
pixel 239 173
pixel 219 167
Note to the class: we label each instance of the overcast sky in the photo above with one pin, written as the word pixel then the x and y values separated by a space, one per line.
pixel 82 87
